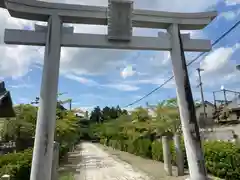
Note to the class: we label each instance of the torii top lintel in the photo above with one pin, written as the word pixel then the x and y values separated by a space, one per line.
pixel 71 13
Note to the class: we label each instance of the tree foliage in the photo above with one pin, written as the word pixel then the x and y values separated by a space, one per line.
pixel 167 112
pixel 22 129
pixel 140 114
pixel 99 115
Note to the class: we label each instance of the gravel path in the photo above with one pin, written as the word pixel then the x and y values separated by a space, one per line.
pixel 150 167
pixel 97 162
pixel 99 165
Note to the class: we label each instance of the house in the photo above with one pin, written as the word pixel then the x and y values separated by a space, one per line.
pixel 210 108
pixel 232 110
pixel 81 114
pixel 6 105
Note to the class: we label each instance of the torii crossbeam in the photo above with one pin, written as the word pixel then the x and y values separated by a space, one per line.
pixel 119 36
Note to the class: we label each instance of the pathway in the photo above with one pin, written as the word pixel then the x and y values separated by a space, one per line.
pixel 99 165
pixel 97 162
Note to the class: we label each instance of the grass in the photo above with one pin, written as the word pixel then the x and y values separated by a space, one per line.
pixel 67 176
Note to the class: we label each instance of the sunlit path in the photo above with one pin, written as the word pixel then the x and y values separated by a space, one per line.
pixel 98 165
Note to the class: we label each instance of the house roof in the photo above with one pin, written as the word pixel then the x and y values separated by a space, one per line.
pixel 206 102
pixel 6 105
pixel 60 106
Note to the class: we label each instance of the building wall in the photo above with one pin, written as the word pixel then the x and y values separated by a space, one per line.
pixel 235 103
pixel 209 111
pixel 235 128
pixel 233 116
pixel 217 134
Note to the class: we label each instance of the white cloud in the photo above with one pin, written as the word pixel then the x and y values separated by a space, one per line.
pixel 232 2
pixel 82 61
pixel 83 108
pixel 150 80
pixel 82 80
pixel 128 72
pixel 219 68
pixel 15 62
pixel 230 15
pixel 217 60
pixel 122 87
pixel 21 86
pixel 76 63
pixel 89 82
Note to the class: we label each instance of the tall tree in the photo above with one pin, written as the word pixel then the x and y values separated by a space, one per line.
pixel 140 114
pixel 106 113
pixel 96 115
pixel 168 113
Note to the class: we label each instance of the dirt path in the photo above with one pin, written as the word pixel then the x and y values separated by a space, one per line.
pixel 97 162
pixel 153 168
pixel 98 165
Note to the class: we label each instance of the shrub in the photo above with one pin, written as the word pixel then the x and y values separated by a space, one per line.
pixel 157 152
pixel 17 165
pixel 67 176
pixel 142 147
pixel 222 159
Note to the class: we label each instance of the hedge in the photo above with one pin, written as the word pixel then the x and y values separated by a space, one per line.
pixel 18 165
pixel 222 158
pixel 67 134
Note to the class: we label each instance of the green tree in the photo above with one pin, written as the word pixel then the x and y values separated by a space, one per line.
pixel 106 113
pixel 168 114
pixel 140 114
pixel 67 129
pixel 22 129
pixel 96 115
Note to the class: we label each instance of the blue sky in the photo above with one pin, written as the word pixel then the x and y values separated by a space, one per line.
pixel 111 77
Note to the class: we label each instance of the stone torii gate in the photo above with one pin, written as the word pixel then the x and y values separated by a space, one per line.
pixel 120 18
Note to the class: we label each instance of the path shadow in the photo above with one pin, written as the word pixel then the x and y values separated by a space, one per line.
pixel 71 164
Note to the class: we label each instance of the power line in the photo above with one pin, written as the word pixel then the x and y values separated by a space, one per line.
pixel 195 59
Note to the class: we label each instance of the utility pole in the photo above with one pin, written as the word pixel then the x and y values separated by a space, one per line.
pixel 214 99
pixel 70 104
pixel 224 94
pixel 201 89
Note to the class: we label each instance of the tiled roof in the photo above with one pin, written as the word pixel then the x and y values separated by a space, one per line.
pixel 206 102
pixel 6 109
pixel 2 95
